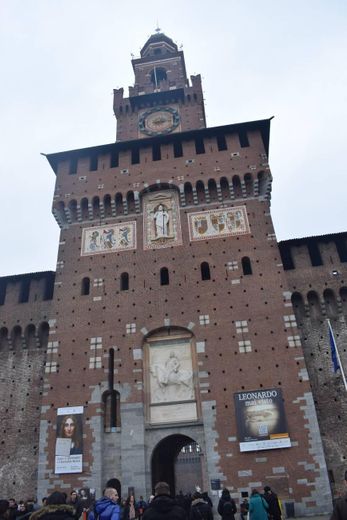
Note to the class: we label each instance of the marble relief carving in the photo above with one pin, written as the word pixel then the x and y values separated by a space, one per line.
pixel 171 385
pixel 161 226
pixel 218 223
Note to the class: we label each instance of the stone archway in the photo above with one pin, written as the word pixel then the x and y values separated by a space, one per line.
pixel 167 456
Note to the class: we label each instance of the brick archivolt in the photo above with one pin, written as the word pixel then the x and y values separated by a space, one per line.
pixel 190 194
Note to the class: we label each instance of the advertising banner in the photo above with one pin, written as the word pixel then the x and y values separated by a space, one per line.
pixel 261 420
pixel 69 441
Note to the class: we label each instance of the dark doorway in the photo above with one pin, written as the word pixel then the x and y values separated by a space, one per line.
pixel 177 460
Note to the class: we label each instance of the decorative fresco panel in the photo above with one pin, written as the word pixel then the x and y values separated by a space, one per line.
pixel 108 239
pixel 161 220
pixel 218 223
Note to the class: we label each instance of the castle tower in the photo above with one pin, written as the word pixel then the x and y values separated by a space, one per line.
pixel 173 327
pixel 162 101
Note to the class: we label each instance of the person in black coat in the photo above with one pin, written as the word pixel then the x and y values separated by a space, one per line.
pixel 226 506
pixel 56 508
pixel 199 509
pixel 163 507
pixel 271 498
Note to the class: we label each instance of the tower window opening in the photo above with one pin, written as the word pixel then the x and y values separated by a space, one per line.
pixel 314 253
pixel 2 292
pixel 205 271
pixel 93 165
pixel 114 159
pixel 243 137
pixel 157 51
pixel 124 282
pixel 24 291
pixel 158 75
pixel 341 249
pixel 246 265
pixel 199 146
pixel 156 152
pixel 164 276
pixel 221 142
pixel 135 156
pixel 178 149
pixel 85 287
pixel 73 166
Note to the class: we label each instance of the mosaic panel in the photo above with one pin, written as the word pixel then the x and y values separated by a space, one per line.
pixel 218 223
pixel 108 239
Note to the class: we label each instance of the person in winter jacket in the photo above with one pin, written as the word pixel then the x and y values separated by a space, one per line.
pixel 106 508
pixel 163 507
pixel 226 506
pixel 199 509
pixel 258 507
pixel 56 508
pixel 271 498
pixel 4 505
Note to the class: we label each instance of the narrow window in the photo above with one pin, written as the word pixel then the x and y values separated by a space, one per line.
pixel 156 153
pixel 24 291
pixel 124 282
pixel 314 253
pixel 164 276
pixel 73 166
pixel 205 271
pixel 243 137
pixel 114 160
pixel 85 288
pixel 135 156
pixel 286 256
pixel 93 165
pixel 2 291
pixel 341 249
pixel 221 142
pixel 246 265
pixel 199 145
pixel 178 150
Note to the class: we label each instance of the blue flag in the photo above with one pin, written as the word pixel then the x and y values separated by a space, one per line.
pixel 333 350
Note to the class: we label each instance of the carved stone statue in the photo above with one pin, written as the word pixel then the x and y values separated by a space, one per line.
pixel 161 221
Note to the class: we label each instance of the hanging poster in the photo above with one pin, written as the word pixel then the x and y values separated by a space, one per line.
pixel 261 420
pixel 69 441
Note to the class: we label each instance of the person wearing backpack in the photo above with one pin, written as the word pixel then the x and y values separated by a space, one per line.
pixel 200 509
pixel 258 507
pixel 226 506
pixel 107 507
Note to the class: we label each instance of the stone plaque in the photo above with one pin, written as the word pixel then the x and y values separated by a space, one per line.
pixel 108 239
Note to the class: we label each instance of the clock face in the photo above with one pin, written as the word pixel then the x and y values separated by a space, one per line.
pixel 159 120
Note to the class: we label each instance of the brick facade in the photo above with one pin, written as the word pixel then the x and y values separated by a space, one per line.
pixel 228 297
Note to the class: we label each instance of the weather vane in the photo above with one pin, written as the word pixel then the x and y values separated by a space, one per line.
pixel 157 30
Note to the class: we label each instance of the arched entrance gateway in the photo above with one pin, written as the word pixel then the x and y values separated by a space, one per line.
pixel 178 460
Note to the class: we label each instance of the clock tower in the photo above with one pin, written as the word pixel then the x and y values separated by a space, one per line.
pixel 162 100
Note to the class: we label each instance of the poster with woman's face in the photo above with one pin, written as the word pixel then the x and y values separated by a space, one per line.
pixel 69 440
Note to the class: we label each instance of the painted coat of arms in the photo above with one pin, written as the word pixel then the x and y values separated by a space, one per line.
pixel 218 223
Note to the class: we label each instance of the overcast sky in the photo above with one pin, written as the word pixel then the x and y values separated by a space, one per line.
pixel 61 59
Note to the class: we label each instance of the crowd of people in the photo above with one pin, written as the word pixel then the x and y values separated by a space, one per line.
pixel 160 506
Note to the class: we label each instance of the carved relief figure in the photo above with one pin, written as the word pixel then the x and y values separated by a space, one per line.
pixel 161 219
pixel 173 382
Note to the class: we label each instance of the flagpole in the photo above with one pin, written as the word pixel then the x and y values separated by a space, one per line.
pixel 338 355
